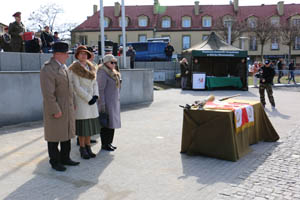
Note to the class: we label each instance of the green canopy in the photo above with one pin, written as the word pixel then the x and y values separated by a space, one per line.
pixel 215 47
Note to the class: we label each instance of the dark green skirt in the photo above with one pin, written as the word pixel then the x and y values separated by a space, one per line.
pixel 87 127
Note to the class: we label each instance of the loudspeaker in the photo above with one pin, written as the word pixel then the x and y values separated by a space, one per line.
pixel 115 49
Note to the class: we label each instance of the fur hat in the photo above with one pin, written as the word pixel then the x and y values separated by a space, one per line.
pixel 82 48
pixel 17 14
pixel 109 58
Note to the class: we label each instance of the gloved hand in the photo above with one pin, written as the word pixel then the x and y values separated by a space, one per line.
pixel 93 100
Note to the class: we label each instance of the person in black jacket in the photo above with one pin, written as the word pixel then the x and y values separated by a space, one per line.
pixel 292 73
pixel 169 49
pixel 184 69
pixel 266 74
pixel 47 40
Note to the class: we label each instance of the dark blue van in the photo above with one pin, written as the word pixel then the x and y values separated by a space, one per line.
pixel 149 51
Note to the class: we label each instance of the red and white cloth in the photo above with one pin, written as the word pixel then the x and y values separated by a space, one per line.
pixel 243 112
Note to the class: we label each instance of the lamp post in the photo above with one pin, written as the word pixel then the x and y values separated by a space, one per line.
pixel 102 27
pixel 124 34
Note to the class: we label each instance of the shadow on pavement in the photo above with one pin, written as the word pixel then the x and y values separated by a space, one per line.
pixel 275 113
pixel 50 184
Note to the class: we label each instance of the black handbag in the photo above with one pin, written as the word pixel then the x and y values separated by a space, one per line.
pixel 103 119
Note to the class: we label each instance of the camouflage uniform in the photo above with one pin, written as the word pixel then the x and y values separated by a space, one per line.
pixel 268 87
pixel 266 78
pixel 14 30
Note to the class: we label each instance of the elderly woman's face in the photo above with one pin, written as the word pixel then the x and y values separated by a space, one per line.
pixel 82 56
pixel 111 64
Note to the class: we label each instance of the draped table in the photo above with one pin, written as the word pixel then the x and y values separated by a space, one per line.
pixel 212 132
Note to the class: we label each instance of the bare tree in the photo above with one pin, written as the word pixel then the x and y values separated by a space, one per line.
pixel 289 32
pixel 64 30
pixel 263 30
pixel 45 16
pixel 237 28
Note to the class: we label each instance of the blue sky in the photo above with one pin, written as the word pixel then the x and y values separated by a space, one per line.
pixel 78 12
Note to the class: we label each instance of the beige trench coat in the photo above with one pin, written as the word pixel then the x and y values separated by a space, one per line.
pixel 57 94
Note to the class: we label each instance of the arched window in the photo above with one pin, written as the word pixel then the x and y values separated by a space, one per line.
pixel 275 21
pixel 252 22
pixel 186 21
pixel 206 21
pixel 126 21
pixel 166 22
pixel 106 22
pixel 143 21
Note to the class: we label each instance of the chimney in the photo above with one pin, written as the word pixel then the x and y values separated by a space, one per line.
pixel 236 5
pixel 155 7
pixel 95 8
pixel 196 8
pixel 280 8
pixel 117 9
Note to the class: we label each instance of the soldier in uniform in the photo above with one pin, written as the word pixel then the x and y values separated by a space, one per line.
pixel 59 113
pixel 5 41
pixel 16 30
pixel 266 74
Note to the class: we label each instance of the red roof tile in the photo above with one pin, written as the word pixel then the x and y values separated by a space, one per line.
pixel 177 12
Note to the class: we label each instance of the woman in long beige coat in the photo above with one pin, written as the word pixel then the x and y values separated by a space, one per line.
pixel 83 75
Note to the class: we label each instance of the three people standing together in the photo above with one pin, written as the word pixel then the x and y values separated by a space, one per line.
pixel 70 94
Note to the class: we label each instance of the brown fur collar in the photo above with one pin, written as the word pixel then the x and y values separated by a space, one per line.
pixel 81 71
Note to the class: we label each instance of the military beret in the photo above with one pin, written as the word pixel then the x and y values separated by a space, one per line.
pixel 17 14
pixel 62 47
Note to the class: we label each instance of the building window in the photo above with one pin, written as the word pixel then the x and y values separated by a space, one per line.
pixel 297 43
pixel 296 22
pixel 121 39
pixel 252 23
pixel 126 21
pixel 186 42
pixel 253 43
pixel 186 22
pixel 106 22
pixel 166 22
pixel 143 21
pixel 275 21
pixel 204 37
pixel 274 44
pixel 83 39
pixel 142 38
pixel 206 22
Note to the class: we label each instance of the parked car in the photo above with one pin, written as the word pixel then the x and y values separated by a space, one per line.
pixel 149 51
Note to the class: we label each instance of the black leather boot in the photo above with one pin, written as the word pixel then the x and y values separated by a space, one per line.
pixel 89 151
pixel 83 153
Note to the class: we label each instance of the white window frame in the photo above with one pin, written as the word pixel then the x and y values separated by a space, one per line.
pixel 297 43
pixel 296 22
pixel 252 22
pixel 186 44
pixel 106 22
pixel 274 44
pixel 143 21
pixel 253 43
pixel 186 22
pixel 120 21
pixel 207 21
pixel 141 36
pixel 275 21
pixel 166 22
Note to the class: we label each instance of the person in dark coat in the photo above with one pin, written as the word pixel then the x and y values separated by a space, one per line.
pixel 5 40
pixel 58 107
pixel 47 39
pixel 184 73
pixel 280 68
pixel 16 31
pixel 242 72
pixel 109 84
pixel 292 73
pixel 169 49
pixel 131 54
pixel 266 74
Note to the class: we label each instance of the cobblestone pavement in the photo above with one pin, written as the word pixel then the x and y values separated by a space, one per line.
pixel 147 164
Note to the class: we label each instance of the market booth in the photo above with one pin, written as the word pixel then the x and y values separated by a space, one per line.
pixel 219 65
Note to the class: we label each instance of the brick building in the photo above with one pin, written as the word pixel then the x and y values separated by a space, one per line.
pixel 188 25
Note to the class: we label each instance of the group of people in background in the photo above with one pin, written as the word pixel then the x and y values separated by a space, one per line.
pixel 73 99
pixel 13 39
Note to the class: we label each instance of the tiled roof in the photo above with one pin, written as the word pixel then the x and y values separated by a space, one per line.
pixel 177 12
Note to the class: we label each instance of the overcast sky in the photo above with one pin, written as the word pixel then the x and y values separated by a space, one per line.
pixel 77 11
